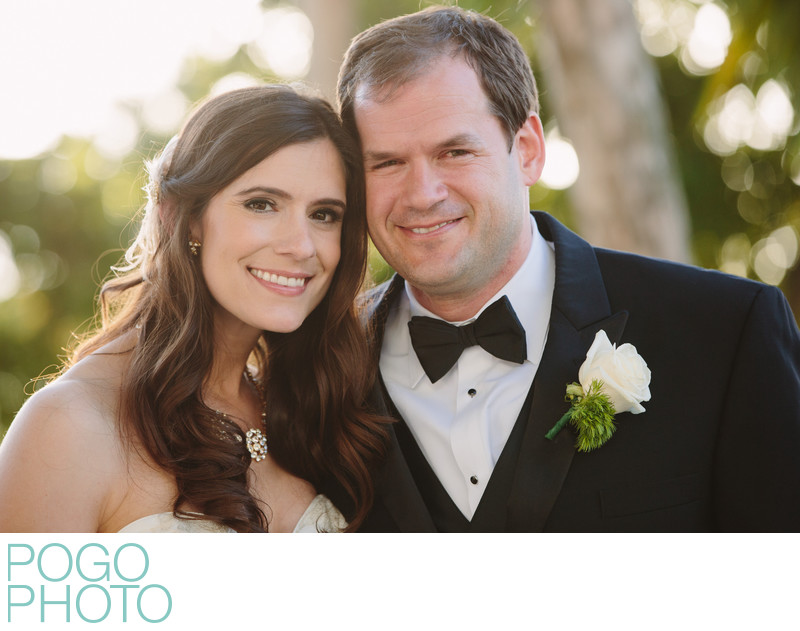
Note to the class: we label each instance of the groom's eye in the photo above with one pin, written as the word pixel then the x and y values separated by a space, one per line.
pixel 385 163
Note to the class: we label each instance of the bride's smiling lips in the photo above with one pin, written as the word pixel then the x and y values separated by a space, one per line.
pixel 293 281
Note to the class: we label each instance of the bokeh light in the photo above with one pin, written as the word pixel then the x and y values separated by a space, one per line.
pixel 707 47
pixel 9 274
pixel 234 81
pixel 698 35
pixel 57 175
pixel 735 254
pixel 164 113
pixel 561 168
pixel 794 169
pixel 284 45
pixel 775 254
pixel 762 121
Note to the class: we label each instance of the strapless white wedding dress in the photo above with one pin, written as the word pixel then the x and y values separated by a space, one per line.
pixel 320 516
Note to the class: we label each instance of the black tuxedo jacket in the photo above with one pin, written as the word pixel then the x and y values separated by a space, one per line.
pixel 718 447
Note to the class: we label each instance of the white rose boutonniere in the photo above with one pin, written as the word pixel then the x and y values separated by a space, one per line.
pixel 612 380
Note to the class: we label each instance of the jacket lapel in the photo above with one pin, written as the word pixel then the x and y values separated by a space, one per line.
pixel 396 488
pixel 580 309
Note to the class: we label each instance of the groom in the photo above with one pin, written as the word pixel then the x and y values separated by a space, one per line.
pixel 445 106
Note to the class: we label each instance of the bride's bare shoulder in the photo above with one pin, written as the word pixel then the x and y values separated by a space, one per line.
pixel 86 394
pixel 63 454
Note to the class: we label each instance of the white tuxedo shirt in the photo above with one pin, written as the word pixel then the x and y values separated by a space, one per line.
pixel 462 421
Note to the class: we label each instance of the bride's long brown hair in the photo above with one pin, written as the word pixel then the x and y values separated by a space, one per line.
pixel 315 379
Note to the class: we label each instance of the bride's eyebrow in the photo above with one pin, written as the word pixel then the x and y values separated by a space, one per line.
pixel 265 190
pixel 281 194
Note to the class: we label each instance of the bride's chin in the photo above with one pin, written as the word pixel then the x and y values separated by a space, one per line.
pixel 288 325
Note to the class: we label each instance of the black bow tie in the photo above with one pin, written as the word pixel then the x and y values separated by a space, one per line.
pixel 439 344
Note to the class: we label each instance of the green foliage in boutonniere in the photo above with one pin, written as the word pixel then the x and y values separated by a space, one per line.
pixel 591 414
pixel 612 380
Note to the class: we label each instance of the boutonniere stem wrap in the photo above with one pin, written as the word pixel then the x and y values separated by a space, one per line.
pixel 612 380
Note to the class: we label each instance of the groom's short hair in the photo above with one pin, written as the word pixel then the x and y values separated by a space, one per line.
pixel 392 53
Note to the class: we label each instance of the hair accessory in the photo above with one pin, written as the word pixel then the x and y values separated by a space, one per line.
pixel 193 247
pixel 157 170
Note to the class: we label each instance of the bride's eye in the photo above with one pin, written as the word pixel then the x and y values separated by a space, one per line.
pixel 327 215
pixel 259 204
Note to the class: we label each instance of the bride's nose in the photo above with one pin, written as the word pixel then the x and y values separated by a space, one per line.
pixel 293 236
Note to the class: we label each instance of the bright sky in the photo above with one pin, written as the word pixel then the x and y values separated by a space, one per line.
pixel 65 65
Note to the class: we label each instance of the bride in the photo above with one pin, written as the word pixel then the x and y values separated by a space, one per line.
pixel 225 386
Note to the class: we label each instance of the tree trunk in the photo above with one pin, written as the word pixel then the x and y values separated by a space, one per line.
pixel 334 25
pixel 605 94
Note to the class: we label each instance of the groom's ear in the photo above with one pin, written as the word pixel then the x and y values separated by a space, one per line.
pixel 529 145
